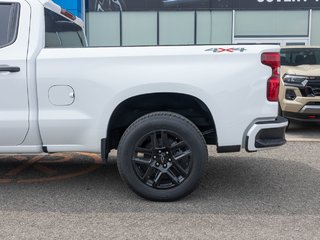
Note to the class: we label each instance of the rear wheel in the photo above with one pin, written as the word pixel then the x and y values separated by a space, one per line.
pixel 162 156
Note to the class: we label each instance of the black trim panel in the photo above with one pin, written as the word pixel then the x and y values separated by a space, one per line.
pixel 278 120
pixel 303 117
pixel 45 149
pixel 229 149
pixel 105 149
pixel 272 137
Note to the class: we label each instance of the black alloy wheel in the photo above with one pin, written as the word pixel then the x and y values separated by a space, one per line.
pixel 162 156
pixel 162 160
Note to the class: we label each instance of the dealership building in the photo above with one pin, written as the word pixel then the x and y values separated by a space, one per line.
pixel 192 22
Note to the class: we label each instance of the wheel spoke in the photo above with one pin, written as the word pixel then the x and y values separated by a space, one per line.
pixel 173 176
pixel 143 150
pixel 180 169
pixel 183 155
pixel 147 174
pixel 157 178
pixel 164 139
pixel 178 145
pixel 154 140
pixel 142 161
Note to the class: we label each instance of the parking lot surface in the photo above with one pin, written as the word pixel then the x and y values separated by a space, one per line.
pixel 266 195
pixel 303 132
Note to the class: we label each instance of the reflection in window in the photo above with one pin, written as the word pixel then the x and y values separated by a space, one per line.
pixel 9 14
pixel 62 33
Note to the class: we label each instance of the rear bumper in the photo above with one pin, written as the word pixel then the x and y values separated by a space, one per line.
pixel 310 109
pixel 268 134
pixel 302 116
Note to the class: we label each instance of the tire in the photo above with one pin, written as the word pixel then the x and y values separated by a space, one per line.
pixel 280 113
pixel 162 156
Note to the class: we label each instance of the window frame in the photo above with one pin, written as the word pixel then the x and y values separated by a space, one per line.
pixel 15 22
pixel 80 33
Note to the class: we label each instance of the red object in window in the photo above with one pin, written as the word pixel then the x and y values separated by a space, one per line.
pixel 272 60
pixel 68 14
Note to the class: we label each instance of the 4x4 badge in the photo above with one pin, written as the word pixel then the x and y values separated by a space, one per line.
pixel 220 50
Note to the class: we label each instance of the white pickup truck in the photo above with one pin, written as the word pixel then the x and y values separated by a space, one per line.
pixel 158 106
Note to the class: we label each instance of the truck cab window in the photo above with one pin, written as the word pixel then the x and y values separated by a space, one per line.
pixel 9 19
pixel 62 33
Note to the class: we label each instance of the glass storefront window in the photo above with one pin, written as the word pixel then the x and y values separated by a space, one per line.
pixel 271 23
pixel 176 28
pixel 139 28
pixel 158 28
pixel 103 28
pixel 214 27
pixel 151 28
pixel 315 28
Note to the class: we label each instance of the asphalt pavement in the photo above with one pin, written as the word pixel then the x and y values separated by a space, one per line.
pixel 305 132
pixel 271 194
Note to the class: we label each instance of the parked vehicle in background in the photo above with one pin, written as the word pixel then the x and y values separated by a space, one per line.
pixel 158 106
pixel 299 94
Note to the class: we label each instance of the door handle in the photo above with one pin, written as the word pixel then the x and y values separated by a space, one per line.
pixel 9 69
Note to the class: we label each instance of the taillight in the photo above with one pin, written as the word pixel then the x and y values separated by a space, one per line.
pixel 272 60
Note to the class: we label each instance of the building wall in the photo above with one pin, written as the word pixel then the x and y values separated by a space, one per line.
pixel 159 28
pixel 181 22
pixel 134 28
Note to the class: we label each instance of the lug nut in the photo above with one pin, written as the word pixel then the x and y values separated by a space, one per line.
pixel 169 159
pixel 157 164
pixel 154 157
pixel 164 165
pixel 159 151
pixel 167 153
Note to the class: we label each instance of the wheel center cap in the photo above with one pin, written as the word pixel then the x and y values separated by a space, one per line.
pixel 162 158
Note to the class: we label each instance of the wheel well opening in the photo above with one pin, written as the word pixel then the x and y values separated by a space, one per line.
pixel 133 108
